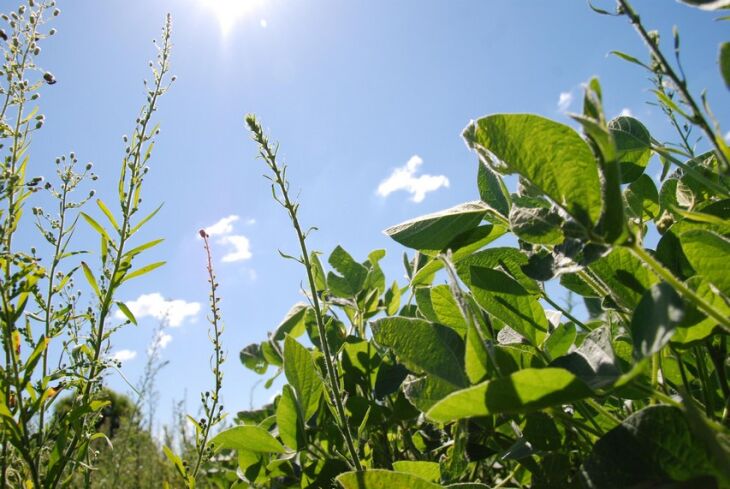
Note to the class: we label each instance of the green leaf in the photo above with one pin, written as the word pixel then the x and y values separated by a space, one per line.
pixel 247 437
pixel 125 310
pixel 435 231
pixel 642 198
pixel 696 325
pixel 625 275
pixel 492 190
pixel 293 323
pixel 503 297
pixel 560 340
pixel 139 249
pixel 90 278
pixel 526 390
pixel 708 254
pixel 476 356
pixel 651 448
pixel 302 374
pixel 383 479
pixel 423 346
pixel 655 319
pixel 97 227
pixel 550 155
pixel 289 420
pixel 633 145
pixel 535 221
pixel 424 392
pixel 461 248
pixel 430 471
pixel 725 62
pixel 141 271
pixel 353 274
pixel 107 213
pixel 594 361
pixel 510 260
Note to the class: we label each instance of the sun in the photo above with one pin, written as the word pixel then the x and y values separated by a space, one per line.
pixel 229 12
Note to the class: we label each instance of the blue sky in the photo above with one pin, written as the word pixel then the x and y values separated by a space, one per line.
pixel 353 90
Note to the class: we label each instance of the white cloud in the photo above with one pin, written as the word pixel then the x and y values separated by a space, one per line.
pixel 626 112
pixel 564 101
pixel 124 355
pixel 222 227
pixel 239 245
pixel 241 248
pixel 163 339
pixel 403 178
pixel 156 306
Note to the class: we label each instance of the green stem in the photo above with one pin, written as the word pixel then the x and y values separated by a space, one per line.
pixel 698 117
pixel 680 287
pixel 269 156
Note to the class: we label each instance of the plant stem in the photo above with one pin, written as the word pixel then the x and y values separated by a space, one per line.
pixel 698 117
pixel 677 284
pixel 269 156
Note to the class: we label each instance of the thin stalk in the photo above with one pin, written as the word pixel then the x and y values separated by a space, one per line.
pixel 268 154
pixel 698 117
pixel 213 417
pixel 677 284
pixel 124 235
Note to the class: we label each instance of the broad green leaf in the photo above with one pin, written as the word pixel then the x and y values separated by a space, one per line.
pixel 464 246
pixel 253 358
pixel 352 274
pixel 127 313
pixel 503 297
pixel 695 325
pixel 91 279
pixel 302 374
pixel 492 190
pixel 560 340
pixel 708 253
pixel 438 305
pixel 289 420
pixel 383 479
pixel 293 323
pixel 533 220
pixel 510 260
pixel 625 275
pixel 476 356
pixel 651 448
pixel 633 145
pixel 141 271
pixel 523 391
pixel 725 62
pixel 594 361
pixel 436 231
pixel 431 471
pixel 423 346
pixel 550 155
pixel 655 319
pixel 247 437
pixel 642 198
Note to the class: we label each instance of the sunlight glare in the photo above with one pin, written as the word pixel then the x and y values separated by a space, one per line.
pixel 229 12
